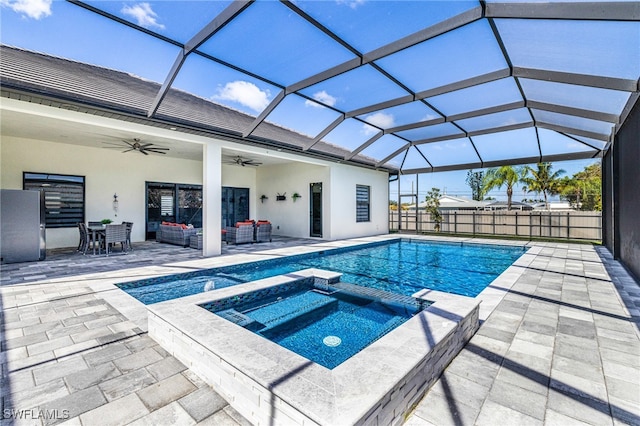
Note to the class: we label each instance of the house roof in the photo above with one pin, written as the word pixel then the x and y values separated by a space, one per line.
pixel 40 78
pixel 414 86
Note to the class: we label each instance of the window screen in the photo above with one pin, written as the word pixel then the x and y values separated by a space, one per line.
pixel 63 197
pixel 363 195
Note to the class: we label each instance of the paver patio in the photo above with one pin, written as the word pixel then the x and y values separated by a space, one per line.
pixel 561 346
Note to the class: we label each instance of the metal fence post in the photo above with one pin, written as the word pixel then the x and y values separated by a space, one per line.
pixel 473 214
pixel 455 222
pixel 516 223
pixel 494 222
pixel 568 229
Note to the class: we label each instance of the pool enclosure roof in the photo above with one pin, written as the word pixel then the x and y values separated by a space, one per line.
pixel 415 86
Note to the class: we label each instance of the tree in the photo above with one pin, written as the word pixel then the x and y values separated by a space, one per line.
pixel 475 180
pixel 393 205
pixel 542 180
pixel 584 189
pixel 498 177
pixel 433 207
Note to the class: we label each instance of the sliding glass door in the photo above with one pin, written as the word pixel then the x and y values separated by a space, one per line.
pixel 171 202
pixel 235 205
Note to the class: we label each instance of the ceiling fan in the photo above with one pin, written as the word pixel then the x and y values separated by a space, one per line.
pixel 240 161
pixel 135 145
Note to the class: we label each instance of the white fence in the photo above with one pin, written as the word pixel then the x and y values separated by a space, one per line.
pixel 573 225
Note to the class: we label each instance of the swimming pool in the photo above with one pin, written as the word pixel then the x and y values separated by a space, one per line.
pixel 400 266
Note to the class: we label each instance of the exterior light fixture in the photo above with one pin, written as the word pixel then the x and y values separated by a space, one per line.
pixel 115 203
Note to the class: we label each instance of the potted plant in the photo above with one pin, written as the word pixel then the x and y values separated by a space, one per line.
pixel 263 197
pixel 281 197
pixel 106 221
pixel 295 196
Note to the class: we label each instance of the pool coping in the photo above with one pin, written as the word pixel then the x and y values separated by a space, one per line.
pixel 267 382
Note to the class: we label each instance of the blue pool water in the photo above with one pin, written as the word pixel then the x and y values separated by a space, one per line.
pixel 327 327
pixel 399 266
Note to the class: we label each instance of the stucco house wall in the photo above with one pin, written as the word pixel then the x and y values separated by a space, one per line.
pixel 289 217
pixel 342 204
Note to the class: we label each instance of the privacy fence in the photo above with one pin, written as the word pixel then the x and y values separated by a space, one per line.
pixel 571 225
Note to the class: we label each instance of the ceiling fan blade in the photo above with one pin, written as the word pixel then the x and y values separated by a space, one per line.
pixel 130 149
pixel 143 151
pixel 130 144
pixel 146 145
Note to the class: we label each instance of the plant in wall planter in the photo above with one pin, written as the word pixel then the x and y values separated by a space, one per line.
pixel 295 196
pixel 281 197
pixel 263 197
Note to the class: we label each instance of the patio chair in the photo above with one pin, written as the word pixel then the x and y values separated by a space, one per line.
pixel 263 231
pixel 82 244
pixel 240 234
pixel 129 226
pixel 114 234
pixel 90 224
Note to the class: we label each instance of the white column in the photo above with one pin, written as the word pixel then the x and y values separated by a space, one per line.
pixel 211 199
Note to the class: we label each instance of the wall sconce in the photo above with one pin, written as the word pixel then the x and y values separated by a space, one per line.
pixel 115 203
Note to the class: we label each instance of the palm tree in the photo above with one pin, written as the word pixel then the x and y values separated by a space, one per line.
pixel 500 176
pixel 542 180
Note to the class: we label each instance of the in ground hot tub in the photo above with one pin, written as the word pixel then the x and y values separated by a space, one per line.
pixel 326 325
pixel 271 384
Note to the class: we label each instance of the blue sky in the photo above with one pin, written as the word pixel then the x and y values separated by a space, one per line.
pixel 63 29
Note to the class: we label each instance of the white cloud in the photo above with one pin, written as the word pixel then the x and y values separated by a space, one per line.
pixel 381 119
pixel 35 9
pixel 369 130
pixel 322 97
pixel 353 4
pixel 143 14
pixel 244 93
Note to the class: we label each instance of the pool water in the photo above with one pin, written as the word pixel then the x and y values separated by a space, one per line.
pixel 399 266
pixel 325 327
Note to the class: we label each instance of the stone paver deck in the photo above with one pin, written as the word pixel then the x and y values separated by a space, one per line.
pixel 561 347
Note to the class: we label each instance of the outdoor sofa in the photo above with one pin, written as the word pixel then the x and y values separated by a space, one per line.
pixel 175 233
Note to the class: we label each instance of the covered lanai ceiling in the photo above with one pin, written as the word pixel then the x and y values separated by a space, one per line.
pixel 416 86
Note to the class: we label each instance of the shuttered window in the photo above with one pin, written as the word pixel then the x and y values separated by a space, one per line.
pixel 363 194
pixel 63 197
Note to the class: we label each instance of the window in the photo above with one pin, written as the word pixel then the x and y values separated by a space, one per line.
pixel 362 203
pixel 63 197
